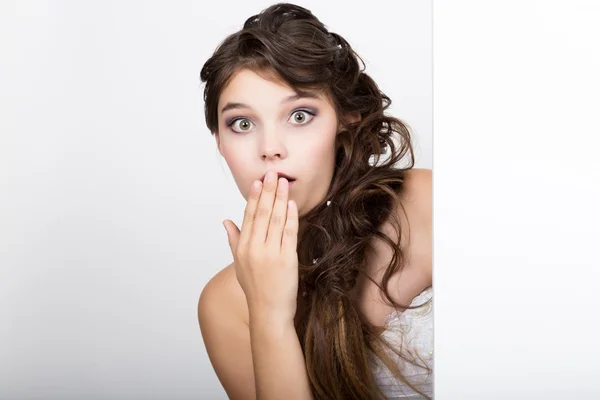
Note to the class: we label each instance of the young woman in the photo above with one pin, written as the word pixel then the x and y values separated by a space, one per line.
pixel 329 293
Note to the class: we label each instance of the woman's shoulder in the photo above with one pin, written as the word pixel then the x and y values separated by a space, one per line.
pixel 224 327
pixel 417 190
pixel 415 211
pixel 222 296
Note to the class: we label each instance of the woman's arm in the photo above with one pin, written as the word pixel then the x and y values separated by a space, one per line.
pixel 224 328
pixel 279 367
pixel 270 351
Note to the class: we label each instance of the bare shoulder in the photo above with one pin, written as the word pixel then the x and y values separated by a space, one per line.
pixel 223 319
pixel 416 197
pixel 222 294
pixel 415 210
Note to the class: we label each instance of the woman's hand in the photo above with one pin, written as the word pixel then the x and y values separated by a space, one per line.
pixel 264 252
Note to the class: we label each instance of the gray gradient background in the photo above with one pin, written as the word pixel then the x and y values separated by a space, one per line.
pixel 113 192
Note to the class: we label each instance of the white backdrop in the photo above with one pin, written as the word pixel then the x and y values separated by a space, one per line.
pixel 113 193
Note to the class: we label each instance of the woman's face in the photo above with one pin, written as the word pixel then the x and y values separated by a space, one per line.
pixel 264 125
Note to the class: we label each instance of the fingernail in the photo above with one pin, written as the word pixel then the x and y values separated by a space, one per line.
pixel 271 176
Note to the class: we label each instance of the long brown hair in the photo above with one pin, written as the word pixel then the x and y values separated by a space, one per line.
pixel 292 45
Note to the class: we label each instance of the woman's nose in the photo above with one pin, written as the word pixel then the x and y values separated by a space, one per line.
pixel 272 145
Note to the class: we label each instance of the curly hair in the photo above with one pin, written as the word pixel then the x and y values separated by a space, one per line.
pixel 288 43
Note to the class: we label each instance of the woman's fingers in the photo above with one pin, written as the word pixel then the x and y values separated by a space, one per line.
pixel 270 220
pixel 278 215
pixel 233 235
pixel 289 240
pixel 264 209
pixel 250 212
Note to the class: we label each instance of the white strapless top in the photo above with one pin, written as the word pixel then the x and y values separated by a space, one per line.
pixel 412 329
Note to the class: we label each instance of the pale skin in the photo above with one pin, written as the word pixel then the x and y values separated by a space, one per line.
pixel 246 311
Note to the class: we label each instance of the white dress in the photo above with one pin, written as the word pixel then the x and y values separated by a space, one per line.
pixel 412 329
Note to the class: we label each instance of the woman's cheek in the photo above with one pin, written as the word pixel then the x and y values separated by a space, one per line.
pixel 237 166
pixel 323 153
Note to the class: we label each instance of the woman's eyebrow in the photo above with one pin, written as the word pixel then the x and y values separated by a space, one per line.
pixel 293 97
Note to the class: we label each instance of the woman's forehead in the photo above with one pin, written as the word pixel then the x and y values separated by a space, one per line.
pixel 248 86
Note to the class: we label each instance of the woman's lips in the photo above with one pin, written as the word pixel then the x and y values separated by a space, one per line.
pixel 280 175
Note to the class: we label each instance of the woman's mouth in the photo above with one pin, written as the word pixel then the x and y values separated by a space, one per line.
pixel 290 179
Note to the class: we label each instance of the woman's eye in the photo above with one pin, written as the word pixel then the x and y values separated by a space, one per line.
pixel 301 117
pixel 241 125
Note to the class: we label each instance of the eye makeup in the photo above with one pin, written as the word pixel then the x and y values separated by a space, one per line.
pixel 313 112
pixel 308 110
